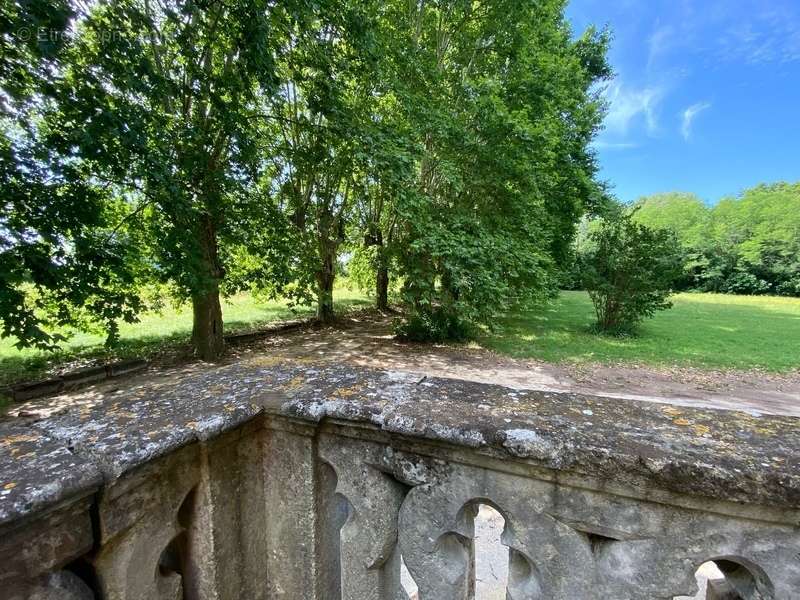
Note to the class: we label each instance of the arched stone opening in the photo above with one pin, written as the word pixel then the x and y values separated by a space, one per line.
pixel 173 569
pixel 730 578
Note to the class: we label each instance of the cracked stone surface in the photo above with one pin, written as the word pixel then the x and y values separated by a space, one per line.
pixel 70 449
pixel 37 470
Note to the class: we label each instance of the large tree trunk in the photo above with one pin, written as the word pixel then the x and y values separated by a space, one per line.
pixel 207 331
pixel 325 277
pixel 382 286
pixel 207 328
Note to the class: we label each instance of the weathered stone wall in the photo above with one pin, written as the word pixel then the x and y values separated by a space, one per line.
pixel 261 481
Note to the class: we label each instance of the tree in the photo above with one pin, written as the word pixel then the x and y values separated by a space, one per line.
pixel 321 124
pixel 58 266
pixel 684 214
pixel 743 245
pixel 160 103
pixel 628 271
pixel 218 146
pixel 503 112
pixel 387 176
pixel 763 225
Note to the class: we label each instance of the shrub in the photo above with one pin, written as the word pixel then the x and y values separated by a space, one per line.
pixel 629 270
pixel 742 282
pixel 434 325
pixel 789 288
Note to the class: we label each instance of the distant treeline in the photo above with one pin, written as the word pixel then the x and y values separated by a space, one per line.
pixel 749 244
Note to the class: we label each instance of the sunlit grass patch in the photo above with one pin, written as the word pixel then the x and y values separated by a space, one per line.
pixel 702 330
pixel 155 333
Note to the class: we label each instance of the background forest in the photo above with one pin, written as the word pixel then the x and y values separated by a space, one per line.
pixel 165 161
pixel 749 244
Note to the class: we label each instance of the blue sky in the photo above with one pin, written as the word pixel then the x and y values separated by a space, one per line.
pixel 706 97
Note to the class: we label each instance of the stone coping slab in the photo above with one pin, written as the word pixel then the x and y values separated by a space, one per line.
pixel 38 472
pixel 726 455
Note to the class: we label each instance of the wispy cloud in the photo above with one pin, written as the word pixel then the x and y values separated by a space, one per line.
pixel 604 145
pixel 659 43
pixel 689 116
pixel 627 104
pixel 768 36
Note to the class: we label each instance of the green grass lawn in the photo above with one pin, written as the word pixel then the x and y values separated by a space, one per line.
pixel 702 330
pixel 156 333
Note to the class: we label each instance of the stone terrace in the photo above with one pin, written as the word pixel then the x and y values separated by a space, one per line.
pixel 302 481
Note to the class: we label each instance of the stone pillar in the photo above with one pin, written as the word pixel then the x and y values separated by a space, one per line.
pixel 148 533
pixel 236 552
pixel 291 507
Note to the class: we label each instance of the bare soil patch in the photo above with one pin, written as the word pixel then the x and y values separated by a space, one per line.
pixel 366 339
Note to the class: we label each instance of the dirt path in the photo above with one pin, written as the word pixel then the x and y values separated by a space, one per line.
pixel 367 340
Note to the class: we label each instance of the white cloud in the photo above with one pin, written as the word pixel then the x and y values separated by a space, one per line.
pixel 628 104
pixel 765 36
pixel 659 43
pixel 604 145
pixel 689 115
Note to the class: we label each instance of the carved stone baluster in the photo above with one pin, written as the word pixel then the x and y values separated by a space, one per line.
pixel 139 526
pixel 292 517
pixel 523 583
pixel 436 543
pixel 759 554
pixel 435 539
pixel 370 566
pixel 236 553
pixel 547 558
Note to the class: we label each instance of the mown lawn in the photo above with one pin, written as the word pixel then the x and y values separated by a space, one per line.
pixel 155 334
pixel 702 330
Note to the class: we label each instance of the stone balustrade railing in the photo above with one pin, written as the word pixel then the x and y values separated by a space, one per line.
pixel 264 481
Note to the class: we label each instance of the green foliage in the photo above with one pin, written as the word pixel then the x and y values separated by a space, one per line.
pixel 502 116
pixel 744 245
pixel 435 325
pixel 207 148
pixel 157 103
pixel 321 122
pixel 685 214
pixel 362 268
pixel 629 272
pixel 59 264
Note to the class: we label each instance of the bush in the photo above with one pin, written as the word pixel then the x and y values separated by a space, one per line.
pixel 629 270
pixel 435 325
pixel 789 288
pixel 742 282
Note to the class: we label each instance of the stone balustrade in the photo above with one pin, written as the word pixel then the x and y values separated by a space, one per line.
pixel 268 481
